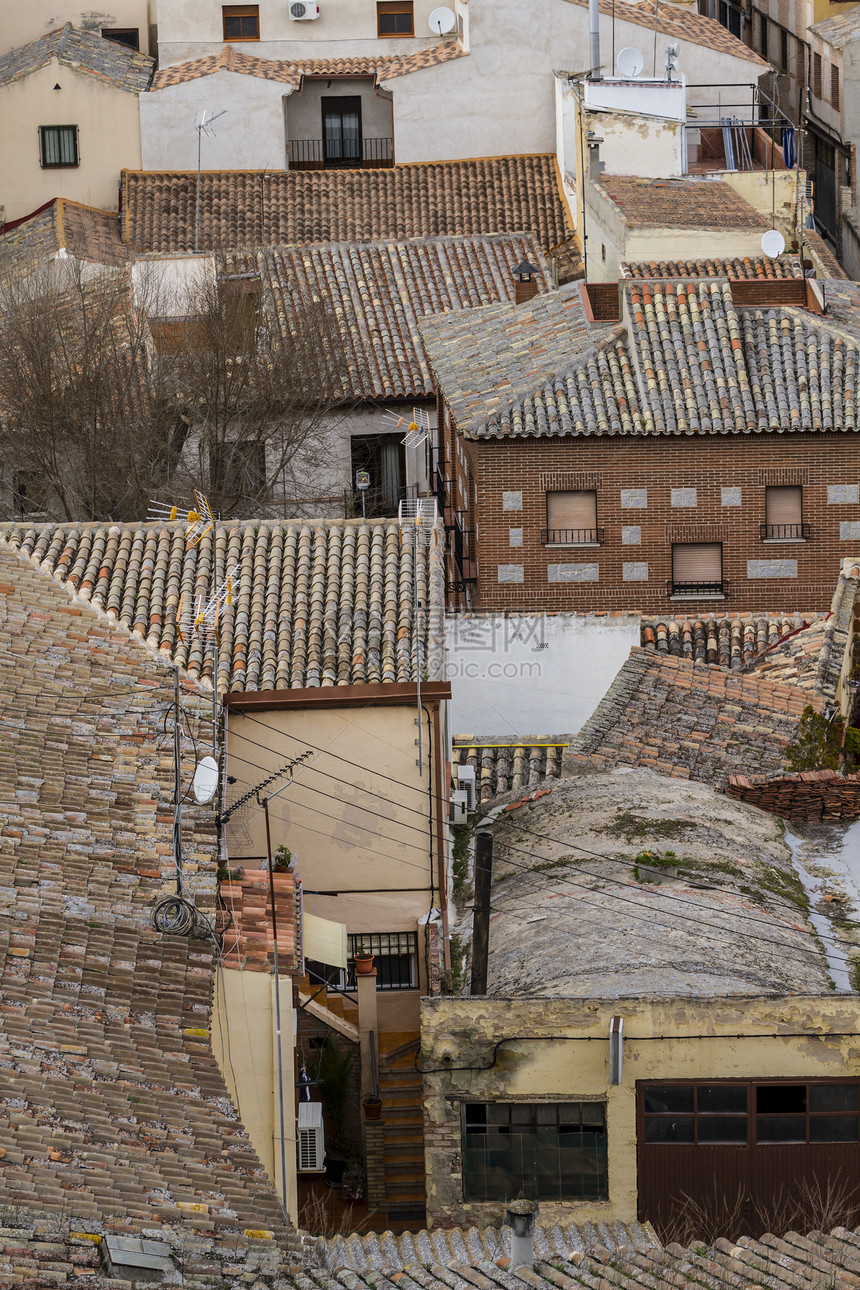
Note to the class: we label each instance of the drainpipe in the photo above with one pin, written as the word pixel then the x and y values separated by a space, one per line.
pixel 441 799
pixel 520 1218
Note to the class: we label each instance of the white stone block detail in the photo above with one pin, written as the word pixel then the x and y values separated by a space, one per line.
pixel 634 499
pixel 515 537
pixel 684 497
pixel 572 573
pixel 631 535
pixel 843 494
pixel 771 568
pixel 512 501
pixel 510 573
pixel 731 497
pixel 849 531
pixel 635 571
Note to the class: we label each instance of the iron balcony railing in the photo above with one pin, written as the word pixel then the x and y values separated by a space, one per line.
pixel 571 537
pixel 785 532
pixel 720 588
pixel 344 154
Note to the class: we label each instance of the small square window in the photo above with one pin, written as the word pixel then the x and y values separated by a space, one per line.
pixel 58 146
pixel 571 519
pixel 241 21
pixel 129 36
pixel 394 18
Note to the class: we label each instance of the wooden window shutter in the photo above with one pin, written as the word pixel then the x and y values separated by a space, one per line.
pixel 697 562
pixel 784 506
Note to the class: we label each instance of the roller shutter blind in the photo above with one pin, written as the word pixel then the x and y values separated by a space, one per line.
pixel 697 562
pixel 571 512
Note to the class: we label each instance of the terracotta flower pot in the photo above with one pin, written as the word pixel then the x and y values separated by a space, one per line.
pixel 363 964
pixel 372 1108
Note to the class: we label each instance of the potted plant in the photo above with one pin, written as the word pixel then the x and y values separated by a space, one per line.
pixel 372 1107
pixel 363 963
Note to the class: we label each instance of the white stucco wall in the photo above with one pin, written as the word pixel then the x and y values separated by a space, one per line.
pixel 304 109
pixel 532 674
pixel 250 136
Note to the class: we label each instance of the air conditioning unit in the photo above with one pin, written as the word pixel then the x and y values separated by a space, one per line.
pixel 302 11
pixel 458 808
pixel 466 784
pixel 311 1140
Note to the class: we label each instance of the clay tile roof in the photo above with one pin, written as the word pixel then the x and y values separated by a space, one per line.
pixel 840 30
pixel 680 203
pixel 440 199
pixel 686 361
pixel 377 291
pixel 108 61
pixel 828 265
pixel 511 765
pixel 84 231
pixel 693 721
pixel 292 71
pixel 756 266
pixel 315 603
pixel 685 24
pixel 113 1110
pixel 248 939
pixel 733 642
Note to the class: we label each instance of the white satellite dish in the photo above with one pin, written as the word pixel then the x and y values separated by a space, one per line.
pixel 773 243
pixel 630 61
pixel 205 780
pixel 443 21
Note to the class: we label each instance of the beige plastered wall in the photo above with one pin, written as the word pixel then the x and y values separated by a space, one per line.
pixel 558 1050
pixel 356 816
pixel 244 1041
pixel 34 18
pixel 108 139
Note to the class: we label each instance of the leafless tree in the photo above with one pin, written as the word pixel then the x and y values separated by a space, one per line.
pixel 122 385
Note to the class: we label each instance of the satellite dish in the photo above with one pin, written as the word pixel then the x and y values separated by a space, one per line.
pixel 443 21
pixel 773 243
pixel 630 61
pixel 205 780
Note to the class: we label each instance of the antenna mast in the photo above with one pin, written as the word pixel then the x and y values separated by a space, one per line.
pixel 202 127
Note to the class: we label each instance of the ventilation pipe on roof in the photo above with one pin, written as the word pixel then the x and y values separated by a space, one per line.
pixel 520 1218
pixel 594 38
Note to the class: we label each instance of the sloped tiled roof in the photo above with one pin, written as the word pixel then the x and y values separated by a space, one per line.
pixel 749 266
pixel 841 29
pixel 248 939
pixel 680 203
pixel 502 767
pixel 691 721
pixel 293 71
pixel 687 362
pixel 822 255
pixel 684 23
pixel 329 602
pixel 84 231
pixel 108 61
pixel 242 208
pixel 734 642
pixel 113 1110
pixel 375 292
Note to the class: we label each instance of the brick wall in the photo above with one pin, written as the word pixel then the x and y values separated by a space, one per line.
pixel 809 795
pixel 718 490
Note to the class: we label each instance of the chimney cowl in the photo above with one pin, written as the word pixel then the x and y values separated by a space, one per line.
pixel 520 1218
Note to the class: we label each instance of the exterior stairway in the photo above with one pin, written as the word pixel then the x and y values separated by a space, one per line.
pixel 336 1010
pixel 403 1115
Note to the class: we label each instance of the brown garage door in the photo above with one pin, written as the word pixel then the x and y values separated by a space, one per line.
pixel 745 1155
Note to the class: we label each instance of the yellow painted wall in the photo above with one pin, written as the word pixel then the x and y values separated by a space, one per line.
pixel 244 1043
pixel 25 22
pixel 108 139
pixel 565 1057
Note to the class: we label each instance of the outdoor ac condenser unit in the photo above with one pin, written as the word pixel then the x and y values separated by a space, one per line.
pixel 302 11
pixel 459 807
pixel 311 1141
pixel 466 784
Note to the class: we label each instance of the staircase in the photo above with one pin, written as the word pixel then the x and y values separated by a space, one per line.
pixel 403 1114
pixel 336 1010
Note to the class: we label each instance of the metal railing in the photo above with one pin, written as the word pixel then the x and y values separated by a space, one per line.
pixel 463 549
pixel 785 532
pixel 720 588
pixel 571 537
pixel 347 154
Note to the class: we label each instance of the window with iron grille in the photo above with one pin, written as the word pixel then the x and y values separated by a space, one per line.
pixel 395 957
pixel 58 146
pixel 571 519
pixel 834 85
pixel 543 1150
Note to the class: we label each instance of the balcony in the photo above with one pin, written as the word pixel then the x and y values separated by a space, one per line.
pixel 698 590
pixel 341 154
pixel 784 532
pixel 571 537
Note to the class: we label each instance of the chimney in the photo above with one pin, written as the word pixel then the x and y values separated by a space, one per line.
pixel 520 1218
pixel 525 283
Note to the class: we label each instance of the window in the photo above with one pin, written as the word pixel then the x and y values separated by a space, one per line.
pixel 571 519
pixel 783 49
pixel 784 515
pixel 725 1113
pixel 395 958
pixel 543 1150
pixel 834 85
pixel 762 40
pixel 129 36
pixel 29 493
pixel 730 17
pixel 341 127
pixel 242 296
pixel 394 18
pixel 697 569
pixel 239 468
pixel 816 75
pixel 241 21
pixel 59 145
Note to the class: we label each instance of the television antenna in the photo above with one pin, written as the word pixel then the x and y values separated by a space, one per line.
pixel 199 517
pixel 630 62
pixel 417 430
pixel 203 126
pixel 206 618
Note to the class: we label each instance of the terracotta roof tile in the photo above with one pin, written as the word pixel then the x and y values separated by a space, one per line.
pixel 328 602
pixel 439 199
pixel 840 30
pixel 83 231
pixel 293 71
pixel 758 266
pixel 815 245
pixel 684 23
pixel 680 203
pixel 733 642
pixel 514 765
pixel 108 61
pixel 248 940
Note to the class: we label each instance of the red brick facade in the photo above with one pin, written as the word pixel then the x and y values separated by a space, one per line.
pixel 499 490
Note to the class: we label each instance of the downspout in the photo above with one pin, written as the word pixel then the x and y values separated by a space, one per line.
pixel 441 798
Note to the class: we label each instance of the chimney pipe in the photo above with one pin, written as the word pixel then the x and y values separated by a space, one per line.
pixel 481 913
pixel 520 1218
pixel 594 38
